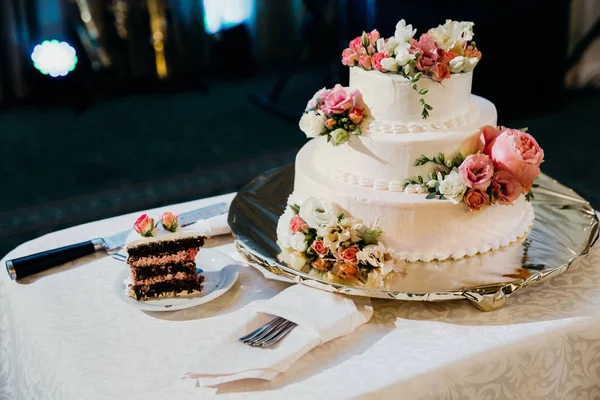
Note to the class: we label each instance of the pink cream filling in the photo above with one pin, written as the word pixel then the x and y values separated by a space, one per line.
pixel 162 278
pixel 183 255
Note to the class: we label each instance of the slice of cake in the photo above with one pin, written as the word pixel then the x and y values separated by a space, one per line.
pixel 163 262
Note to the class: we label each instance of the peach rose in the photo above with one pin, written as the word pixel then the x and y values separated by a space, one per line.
pixel 319 247
pixel 488 134
pixel 144 225
pixel 169 221
pixel 448 56
pixel 346 271
pixel 376 60
pixel 349 57
pixel 297 224
pixel 348 255
pixel 356 115
pixel 471 51
pixel 339 100
pixel 365 62
pixel 477 170
pixel 440 71
pixel 356 43
pixel 476 199
pixel 330 123
pixel 505 187
pixel 519 154
pixel 322 264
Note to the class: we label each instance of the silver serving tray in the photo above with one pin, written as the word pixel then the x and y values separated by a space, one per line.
pixel 565 228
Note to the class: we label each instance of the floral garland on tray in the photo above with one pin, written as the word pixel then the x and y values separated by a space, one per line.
pixel 505 166
pixel 321 236
pixel 442 51
pixel 335 113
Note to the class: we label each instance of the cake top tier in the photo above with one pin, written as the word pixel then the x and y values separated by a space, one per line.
pixel 439 54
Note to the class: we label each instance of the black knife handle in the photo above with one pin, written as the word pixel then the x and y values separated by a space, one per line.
pixel 29 265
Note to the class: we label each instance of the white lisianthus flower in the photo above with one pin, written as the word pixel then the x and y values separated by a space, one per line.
pixel 452 35
pixel 453 187
pixel 312 123
pixel 284 233
pixel 404 32
pixel 339 136
pixel 403 56
pixel 298 242
pixel 457 64
pixel 390 64
pixel 390 45
pixel 318 212
pixel 471 63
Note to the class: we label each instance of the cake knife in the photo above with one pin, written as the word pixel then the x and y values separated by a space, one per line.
pixel 32 264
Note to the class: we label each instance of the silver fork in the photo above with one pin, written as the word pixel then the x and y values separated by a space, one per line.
pixel 269 334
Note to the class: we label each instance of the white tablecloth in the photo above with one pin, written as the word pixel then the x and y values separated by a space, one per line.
pixel 68 335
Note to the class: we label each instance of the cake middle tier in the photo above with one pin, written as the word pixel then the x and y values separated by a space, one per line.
pixel 385 160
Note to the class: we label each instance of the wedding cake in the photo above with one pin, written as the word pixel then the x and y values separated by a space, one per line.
pixel 406 164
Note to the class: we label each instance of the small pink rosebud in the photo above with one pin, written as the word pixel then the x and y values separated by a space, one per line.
pixel 370 50
pixel 144 225
pixel 330 123
pixel 365 62
pixel 170 222
pixel 297 224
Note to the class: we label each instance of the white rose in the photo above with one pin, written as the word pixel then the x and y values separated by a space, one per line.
pixel 298 242
pixel 404 32
pixel 283 228
pixel 312 123
pixel 457 64
pixel 453 187
pixel 452 35
pixel 318 212
pixel 403 56
pixel 390 64
pixel 471 63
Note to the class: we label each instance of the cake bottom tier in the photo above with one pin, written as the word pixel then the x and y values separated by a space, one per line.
pixel 416 228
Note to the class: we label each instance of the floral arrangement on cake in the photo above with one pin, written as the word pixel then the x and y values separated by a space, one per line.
pixel 335 113
pixel 146 227
pixel 505 165
pixel 439 53
pixel 320 235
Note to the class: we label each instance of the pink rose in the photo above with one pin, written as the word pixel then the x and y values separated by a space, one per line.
pixel 297 224
pixel 376 60
pixel 339 100
pixel 488 134
pixel 370 50
pixel 349 57
pixel 373 36
pixel 320 248
pixel 169 221
pixel 505 187
pixel 322 264
pixel 477 170
pixel 330 123
pixel 356 43
pixel 317 99
pixel 348 255
pixel 428 52
pixel 440 71
pixel 355 115
pixel 365 62
pixel 476 199
pixel 144 225
pixel 517 153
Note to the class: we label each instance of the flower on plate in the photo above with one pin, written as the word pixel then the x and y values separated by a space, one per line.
pixel 298 242
pixel 317 99
pixel 339 136
pixel 283 231
pixel 144 225
pixel 476 171
pixel 294 259
pixel 319 247
pixel 319 212
pixel 453 187
pixel 322 264
pixel 440 71
pixel 356 115
pixel 365 62
pixel 297 224
pixel 348 255
pixel 457 64
pixel 453 35
pixel 476 199
pixel 169 221
pixel 376 60
pixel 339 100
pixel 404 32
pixel 349 57
pixel 312 123
pixel 345 271
pixel 519 154
pixel 505 188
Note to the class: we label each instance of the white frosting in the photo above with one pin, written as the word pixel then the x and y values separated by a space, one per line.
pixel 414 227
pixel 384 161
pixel 160 235
pixel 389 97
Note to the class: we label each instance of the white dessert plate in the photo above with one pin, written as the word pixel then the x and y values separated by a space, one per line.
pixel 220 273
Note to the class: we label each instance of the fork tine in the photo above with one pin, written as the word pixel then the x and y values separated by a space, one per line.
pixel 274 332
pixel 266 333
pixel 280 336
pixel 261 329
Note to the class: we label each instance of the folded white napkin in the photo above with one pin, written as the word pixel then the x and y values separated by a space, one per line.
pixel 321 316
pixel 214 226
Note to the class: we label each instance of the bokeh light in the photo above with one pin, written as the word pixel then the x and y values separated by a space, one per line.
pixel 54 58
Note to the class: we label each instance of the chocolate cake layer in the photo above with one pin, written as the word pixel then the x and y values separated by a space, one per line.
pixel 144 292
pixel 166 246
pixel 147 272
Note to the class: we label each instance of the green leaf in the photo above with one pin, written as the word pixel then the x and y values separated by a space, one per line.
pixel 442 157
pixel 428 107
pixel 340 216
pixel 418 76
pixel 422 101
pixel 430 196
pixel 423 92
pixel 442 197
pixel 431 190
pixel 413 86
pixel 295 208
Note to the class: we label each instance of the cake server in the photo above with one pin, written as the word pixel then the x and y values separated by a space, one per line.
pixel 32 264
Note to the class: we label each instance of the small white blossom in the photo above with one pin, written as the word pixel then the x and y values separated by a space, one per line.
pixel 390 45
pixel 457 64
pixel 319 212
pixel 312 123
pixel 390 64
pixel 380 44
pixel 294 259
pixel 403 55
pixel 453 187
pixel 452 35
pixel 404 32
pixel 471 63
pixel 298 242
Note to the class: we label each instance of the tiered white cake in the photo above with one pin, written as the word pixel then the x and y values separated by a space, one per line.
pixel 408 151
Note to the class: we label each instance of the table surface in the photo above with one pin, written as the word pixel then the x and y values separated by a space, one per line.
pixel 66 334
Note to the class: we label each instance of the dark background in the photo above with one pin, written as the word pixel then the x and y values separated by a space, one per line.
pixel 126 131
